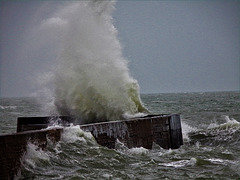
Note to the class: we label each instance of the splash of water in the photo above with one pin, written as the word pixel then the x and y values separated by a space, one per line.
pixel 92 80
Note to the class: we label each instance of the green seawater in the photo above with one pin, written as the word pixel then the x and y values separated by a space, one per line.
pixel 211 150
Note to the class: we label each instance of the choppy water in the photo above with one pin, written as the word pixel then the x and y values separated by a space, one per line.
pixel 211 150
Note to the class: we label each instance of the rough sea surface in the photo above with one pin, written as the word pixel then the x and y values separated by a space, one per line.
pixel 211 150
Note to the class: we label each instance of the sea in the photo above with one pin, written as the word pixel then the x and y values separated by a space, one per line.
pixel 211 149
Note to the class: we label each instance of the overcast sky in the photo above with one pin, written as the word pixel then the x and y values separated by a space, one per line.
pixel 171 46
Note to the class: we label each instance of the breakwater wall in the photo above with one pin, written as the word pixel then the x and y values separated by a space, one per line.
pixel 13 146
pixel 142 132
pixel 164 130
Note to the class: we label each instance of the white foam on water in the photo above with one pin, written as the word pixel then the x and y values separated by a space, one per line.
pixel 107 176
pixel 164 152
pixel 34 154
pixel 231 121
pixel 212 125
pixel 180 163
pixel 221 161
pixel 228 128
pixel 132 116
pixel 192 162
pixel 185 130
pixel 197 144
pixel 75 133
pixel 122 148
pixel 7 107
pixel 138 151
pixel 57 148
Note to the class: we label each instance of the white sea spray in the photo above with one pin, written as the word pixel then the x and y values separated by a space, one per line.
pixel 91 79
pixel 73 133
pixel 34 154
pixel 185 130
pixel 85 73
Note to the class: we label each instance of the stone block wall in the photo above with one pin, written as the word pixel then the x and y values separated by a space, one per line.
pixel 164 130
pixel 13 146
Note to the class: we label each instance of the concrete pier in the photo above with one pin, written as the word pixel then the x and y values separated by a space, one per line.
pixel 164 130
pixel 13 147
pixel 142 132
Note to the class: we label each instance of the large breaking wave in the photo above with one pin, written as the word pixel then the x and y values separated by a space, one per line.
pixel 92 79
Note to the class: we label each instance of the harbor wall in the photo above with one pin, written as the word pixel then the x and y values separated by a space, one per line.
pixel 164 130
pixel 13 147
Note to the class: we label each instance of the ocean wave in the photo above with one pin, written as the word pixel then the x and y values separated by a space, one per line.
pixel 180 163
pixel 75 133
pixel 7 107
pixel 218 134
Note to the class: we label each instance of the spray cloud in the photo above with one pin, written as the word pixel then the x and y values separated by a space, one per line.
pixel 92 80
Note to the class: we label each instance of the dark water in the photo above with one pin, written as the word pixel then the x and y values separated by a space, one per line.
pixel 211 150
